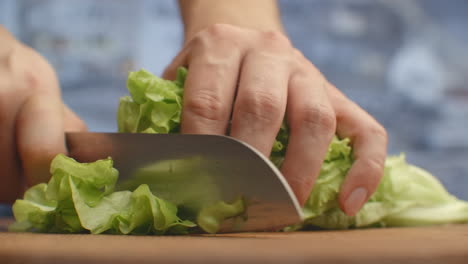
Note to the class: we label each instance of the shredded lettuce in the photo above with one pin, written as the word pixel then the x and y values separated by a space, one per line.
pixel 82 197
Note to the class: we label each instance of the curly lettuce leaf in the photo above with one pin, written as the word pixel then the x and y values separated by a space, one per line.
pixel 183 182
pixel 211 217
pixel 80 198
pixel 406 196
pixel 154 105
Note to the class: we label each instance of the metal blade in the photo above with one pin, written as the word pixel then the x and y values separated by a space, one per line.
pixel 210 166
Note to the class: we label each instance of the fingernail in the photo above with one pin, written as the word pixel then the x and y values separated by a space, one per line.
pixel 355 201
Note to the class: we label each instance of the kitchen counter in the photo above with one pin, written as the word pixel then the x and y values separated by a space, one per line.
pixel 446 244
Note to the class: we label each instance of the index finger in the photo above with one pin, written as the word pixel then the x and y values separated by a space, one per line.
pixel 210 88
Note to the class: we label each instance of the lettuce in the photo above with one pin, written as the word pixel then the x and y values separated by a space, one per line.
pixel 406 196
pixel 154 106
pixel 82 197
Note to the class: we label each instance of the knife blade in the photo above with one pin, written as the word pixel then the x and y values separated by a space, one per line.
pixel 218 166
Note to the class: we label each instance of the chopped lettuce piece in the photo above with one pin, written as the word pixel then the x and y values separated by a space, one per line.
pixel 179 181
pixel 79 197
pixel 211 217
pixel 191 188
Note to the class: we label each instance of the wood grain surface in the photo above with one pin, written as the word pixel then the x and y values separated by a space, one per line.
pixel 445 244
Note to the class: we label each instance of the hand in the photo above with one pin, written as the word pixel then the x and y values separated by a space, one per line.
pixel 33 118
pixel 257 78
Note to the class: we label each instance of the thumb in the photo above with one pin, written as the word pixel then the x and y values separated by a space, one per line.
pixel 40 135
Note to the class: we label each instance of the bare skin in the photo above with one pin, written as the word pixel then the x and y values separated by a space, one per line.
pixel 242 68
pixel 33 117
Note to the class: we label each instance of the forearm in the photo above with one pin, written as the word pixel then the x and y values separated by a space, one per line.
pixel 256 14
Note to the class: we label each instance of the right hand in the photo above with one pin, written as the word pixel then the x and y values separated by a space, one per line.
pixel 33 118
pixel 250 80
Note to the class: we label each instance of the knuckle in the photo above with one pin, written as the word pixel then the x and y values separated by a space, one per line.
pixel 6 59
pixel 277 42
pixel 318 115
pixel 376 131
pixel 262 106
pixel 200 41
pixel 33 80
pixel 27 71
pixel 219 31
pixel 42 75
pixel 298 54
pixel 276 37
pixel 206 105
pixel 302 63
pixel 7 70
pixel 216 65
pixel 216 36
pixel 304 66
pixel 374 166
pixel 379 131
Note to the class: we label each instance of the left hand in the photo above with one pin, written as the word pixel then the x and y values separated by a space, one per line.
pixel 255 78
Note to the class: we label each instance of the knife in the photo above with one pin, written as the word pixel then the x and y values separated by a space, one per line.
pixel 225 168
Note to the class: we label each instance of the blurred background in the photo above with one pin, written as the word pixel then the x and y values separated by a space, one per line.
pixel 404 61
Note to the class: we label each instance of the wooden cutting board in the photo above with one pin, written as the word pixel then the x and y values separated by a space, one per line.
pixel 447 244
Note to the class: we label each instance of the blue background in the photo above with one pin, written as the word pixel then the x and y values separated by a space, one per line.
pixel 404 61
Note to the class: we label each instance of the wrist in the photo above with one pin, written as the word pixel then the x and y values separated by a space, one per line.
pixel 200 14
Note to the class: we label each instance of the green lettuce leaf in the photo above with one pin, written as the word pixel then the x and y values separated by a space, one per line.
pixel 406 196
pixel 80 198
pixel 154 106
pixel 191 188
pixel 211 217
